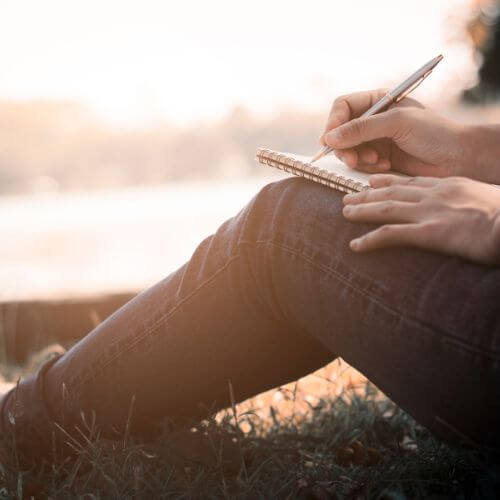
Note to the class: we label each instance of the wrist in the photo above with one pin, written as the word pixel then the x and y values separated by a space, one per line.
pixel 481 152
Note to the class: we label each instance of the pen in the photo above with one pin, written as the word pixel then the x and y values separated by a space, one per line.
pixel 393 96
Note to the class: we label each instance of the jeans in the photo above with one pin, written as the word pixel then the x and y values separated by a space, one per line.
pixel 274 294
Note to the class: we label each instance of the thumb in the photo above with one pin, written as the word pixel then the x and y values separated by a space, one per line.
pixel 355 132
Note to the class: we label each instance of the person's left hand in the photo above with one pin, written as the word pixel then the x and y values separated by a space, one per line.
pixel 454 215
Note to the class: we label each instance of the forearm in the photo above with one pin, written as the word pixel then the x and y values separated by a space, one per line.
pixel 482 158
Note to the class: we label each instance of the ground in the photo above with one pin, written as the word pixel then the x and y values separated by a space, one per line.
pixel 331 435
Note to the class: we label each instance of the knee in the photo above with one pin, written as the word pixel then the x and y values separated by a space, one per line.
pixel 292 207
pixel 301 217
pixel 297 200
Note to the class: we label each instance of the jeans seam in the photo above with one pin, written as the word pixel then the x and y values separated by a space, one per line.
pixel 445 335
pixel 471 349
pixel 330 271
pixel 134 339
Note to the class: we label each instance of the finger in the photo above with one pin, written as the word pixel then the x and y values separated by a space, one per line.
pixel 378 181
pixel 390 124
pixel 395 192
pixel 390 235
pixel 382 212
pixel 350 106
pixel 362 155
pixel 382 165
pixel 348 156
pixel 367 155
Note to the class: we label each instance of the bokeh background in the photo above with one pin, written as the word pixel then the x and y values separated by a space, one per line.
pixel 128 129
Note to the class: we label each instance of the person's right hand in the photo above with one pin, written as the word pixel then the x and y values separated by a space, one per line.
pixel 405 138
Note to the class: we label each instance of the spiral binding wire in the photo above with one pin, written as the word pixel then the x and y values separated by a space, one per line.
pixel 308 171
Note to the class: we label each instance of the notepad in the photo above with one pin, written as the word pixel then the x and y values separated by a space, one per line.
pixel 327 170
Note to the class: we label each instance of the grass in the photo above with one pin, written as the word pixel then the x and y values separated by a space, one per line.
pixel 348 442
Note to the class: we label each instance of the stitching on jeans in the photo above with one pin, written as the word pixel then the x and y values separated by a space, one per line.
pixel 411 319
pixel 132 340
pixel 333 272
pixel 471 348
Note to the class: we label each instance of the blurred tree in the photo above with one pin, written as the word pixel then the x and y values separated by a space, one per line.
pixel 484 32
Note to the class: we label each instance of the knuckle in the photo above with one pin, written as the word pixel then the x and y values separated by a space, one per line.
pixel 390 191
pixel 335 116
pixel 451 186
pixel 340 106
pixel 363 196
pixel 338 100
pixel 388 206
pixel 430 230
pixel 432 225
pixel 385 229
pixel 414 180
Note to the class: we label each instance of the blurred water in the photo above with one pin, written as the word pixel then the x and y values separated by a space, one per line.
pixel 61 245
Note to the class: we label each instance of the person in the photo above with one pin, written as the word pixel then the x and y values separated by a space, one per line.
pixel 402 281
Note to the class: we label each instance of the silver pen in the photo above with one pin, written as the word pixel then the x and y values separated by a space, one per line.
pixel 393 96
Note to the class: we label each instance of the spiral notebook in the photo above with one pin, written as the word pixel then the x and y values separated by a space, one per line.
pixel 327 170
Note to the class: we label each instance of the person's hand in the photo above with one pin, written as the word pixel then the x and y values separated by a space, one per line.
pixel 455 216
pixel 406 138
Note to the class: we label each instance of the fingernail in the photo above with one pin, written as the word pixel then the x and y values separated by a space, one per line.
pixel 347 198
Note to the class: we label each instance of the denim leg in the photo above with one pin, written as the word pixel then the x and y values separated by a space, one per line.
pixel 276 293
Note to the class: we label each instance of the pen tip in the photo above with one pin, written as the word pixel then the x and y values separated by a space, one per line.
pixel 317 156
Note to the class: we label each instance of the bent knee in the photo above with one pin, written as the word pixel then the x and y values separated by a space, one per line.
pixel 299 198
pixel 294 208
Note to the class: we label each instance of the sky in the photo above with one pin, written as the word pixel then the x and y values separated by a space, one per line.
pixel 187 61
